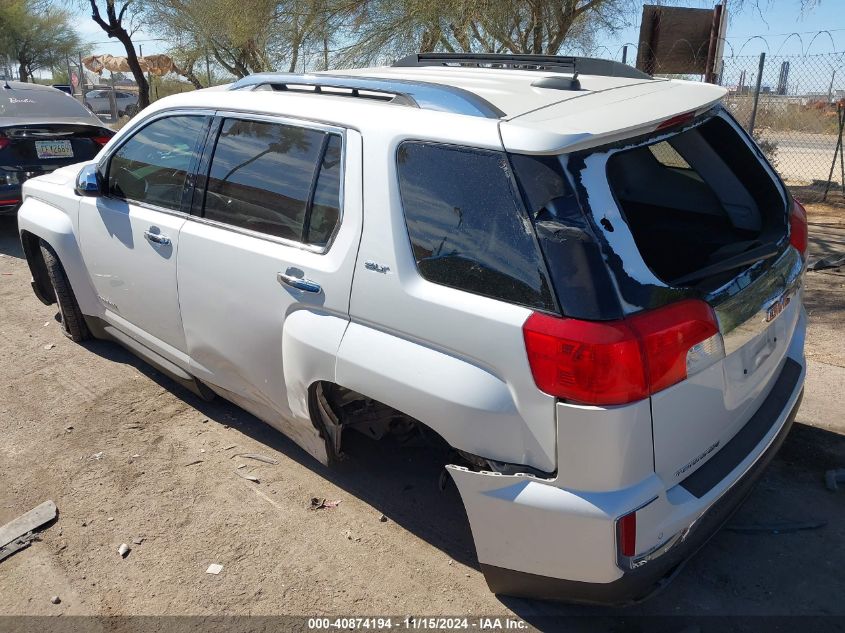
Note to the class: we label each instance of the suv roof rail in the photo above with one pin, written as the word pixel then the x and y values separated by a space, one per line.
pixel 553 63
pixel 418 94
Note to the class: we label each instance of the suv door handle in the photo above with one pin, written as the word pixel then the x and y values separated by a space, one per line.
pixel 157 238
pixel 298 283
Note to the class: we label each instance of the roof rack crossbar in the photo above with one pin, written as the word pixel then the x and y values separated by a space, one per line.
pixel 546 63
pixel 419 94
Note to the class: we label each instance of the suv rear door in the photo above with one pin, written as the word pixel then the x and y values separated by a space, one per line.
pixel 266 255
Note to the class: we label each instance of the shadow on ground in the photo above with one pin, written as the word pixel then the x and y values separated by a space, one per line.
pixel 10 243
pixel 759 573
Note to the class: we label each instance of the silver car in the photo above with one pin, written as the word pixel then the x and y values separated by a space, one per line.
pixel 99 102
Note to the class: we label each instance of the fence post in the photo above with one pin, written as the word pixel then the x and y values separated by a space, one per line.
pixel 112 98
pixel 756 93
pixel 82 85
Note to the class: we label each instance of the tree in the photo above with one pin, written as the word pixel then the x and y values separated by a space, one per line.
pixel 36 35
pixel 114 26
pixel 390 28
pixel 267 34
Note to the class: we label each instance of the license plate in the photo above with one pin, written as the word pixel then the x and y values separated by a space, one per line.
pixel 53 149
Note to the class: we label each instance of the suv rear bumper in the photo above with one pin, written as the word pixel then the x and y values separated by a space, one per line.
pixel 640 583
pixel 536 539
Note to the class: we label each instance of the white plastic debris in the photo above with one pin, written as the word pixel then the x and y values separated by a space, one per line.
pixel 49 346
pixel 214 568
pixel 124 550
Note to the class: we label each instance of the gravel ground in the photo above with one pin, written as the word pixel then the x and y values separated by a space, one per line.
pixel 127 454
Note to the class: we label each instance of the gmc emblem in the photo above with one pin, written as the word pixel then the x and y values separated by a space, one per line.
pixel 776 308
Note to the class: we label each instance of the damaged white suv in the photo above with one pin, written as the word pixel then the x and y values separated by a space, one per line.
pixel 585 280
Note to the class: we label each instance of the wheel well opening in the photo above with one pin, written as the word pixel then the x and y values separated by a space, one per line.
pixel 378 428
pixel 35 260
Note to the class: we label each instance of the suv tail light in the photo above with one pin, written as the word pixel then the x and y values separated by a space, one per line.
pixel 101 140
pixel 4 141
pixel 798 227
pixel 615 362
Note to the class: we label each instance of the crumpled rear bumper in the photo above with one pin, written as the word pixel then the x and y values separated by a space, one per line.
pixel 638 584
pixel 535 539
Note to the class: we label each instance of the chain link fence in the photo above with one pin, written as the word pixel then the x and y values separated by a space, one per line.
pixel 793 106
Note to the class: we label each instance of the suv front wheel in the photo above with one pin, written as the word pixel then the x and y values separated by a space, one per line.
pixel 73 324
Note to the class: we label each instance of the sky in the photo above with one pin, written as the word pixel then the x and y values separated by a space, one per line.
pixel 775 23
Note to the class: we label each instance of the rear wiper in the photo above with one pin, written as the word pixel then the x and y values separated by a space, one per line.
pixel 752 256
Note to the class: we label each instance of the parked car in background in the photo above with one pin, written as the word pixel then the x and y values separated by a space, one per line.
pixel 41 129
pixel 99 102
pixel 583 282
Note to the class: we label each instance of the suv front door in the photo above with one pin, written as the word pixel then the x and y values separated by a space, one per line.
pixel 266 262
pixel 130 235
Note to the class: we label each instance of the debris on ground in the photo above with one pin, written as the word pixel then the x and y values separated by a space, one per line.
pixel 97 456
pixel 138 540
pixel 832 478
pixel 19 534
pixel 124 550
pixel 318 503
pixel 383 518
pixel 55 600
pixel 110 519
pixel 69 428
pixel 194 463
pixel 241 465
pixel 214 568
pixel 824 263
pixel 256 456
pixel 49 346
pixel 252 478
pixel 777 528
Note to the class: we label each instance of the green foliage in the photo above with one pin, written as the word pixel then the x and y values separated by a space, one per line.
pixel 35 34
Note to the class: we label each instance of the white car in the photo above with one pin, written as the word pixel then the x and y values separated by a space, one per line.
pixel 584 280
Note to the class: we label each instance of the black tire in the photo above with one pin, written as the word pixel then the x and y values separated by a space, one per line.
pixel 73 324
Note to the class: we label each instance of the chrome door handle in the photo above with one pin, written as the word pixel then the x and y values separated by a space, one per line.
pixel 157 238
pixel 298 283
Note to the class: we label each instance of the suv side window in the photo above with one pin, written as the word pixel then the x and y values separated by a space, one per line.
pixel 277 179
pixel 467 228
pixel 153 164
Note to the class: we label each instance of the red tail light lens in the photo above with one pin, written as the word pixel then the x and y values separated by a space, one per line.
pixel 626 534
pixel 4 142
pixel 101 140
pixel 798 227
pixel 615 362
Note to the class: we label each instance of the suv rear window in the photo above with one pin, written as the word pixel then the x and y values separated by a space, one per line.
pixel 696 202
pixel 467 228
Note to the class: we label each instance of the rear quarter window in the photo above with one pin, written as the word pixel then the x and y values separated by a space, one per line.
pixel 466 226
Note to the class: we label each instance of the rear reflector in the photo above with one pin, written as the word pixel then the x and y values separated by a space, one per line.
pixel 626 534
pixel 6 203
pixel 616 362
pixel 798 227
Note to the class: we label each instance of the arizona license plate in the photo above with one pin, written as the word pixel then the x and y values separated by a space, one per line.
pixel 53 149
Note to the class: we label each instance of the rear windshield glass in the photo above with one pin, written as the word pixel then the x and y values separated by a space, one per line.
pixel 24 104
pixel 699 204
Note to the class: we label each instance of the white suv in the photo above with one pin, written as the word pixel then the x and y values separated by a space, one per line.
pixel 584 280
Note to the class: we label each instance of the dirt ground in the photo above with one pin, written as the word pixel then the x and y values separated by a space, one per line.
pixel 125 453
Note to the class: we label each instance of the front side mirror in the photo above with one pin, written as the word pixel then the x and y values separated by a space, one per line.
pixel 88 181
